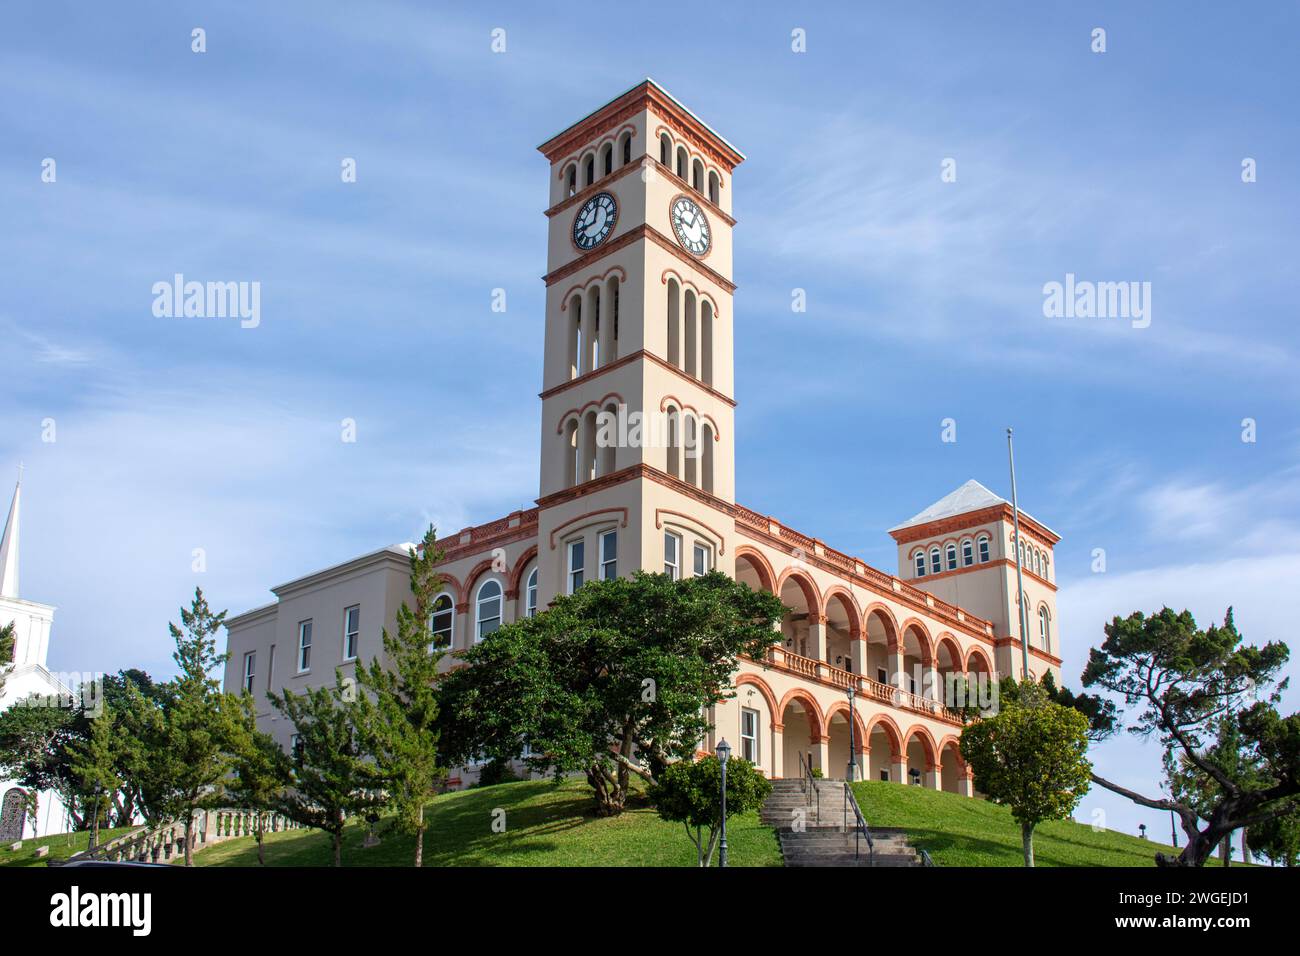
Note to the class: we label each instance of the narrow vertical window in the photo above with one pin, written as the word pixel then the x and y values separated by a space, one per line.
pixel 250 670
pixel 951 551
pixel 967 554
pixel 577 563
pixel 984 549
pixel 703 559
pixel 304 646
pixel 487 609
pixel 530 595
pixel 919 558
pixel 351 631
pixel 935 566
pixel 672 555
pixel 1044 629
pixel 442 622
pixel 609 555
pixel 749 735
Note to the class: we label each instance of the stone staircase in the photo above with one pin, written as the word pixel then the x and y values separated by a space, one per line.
pixel 813 833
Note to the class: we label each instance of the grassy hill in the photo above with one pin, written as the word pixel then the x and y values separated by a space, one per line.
pixel 546 825
pixel 61 847
pixel 959 831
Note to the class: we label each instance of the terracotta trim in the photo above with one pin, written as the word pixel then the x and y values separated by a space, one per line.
pixel 636 233
pixel 688 284
pixel 599 404
pixel 683 407
pixel 766 692
pixel 690 196
pixel 583 517
pixel 580 154
pixel 627 359
pixel 977 566
pixel 970 521
pixel 691 191
pixel 594 280
pixel 659 512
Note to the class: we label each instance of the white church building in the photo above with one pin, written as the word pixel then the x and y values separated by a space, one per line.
pixel 25 675
pixel 639 326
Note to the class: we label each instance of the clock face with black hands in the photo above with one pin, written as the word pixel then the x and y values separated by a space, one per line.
pixel 595 221
pixel 691 225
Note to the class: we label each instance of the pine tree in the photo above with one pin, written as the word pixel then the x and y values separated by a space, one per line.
pixel 261 770
pixel 94 767
pixel 329 773
pixel 396 706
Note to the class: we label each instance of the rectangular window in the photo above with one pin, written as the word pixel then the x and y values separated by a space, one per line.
pixel 672 555
pixel 920 564
pixel 984 550
pixel 934 561
pixel 530 603
pixel 577 563
pixel 609 555
pixel 749 735
pixel 442 621
pixel 882 675
pixel 250 666
pixel 703 559
pixel 270 666
pixel 884 775
pixel 304 646
pixel 351 632
pixel 967 554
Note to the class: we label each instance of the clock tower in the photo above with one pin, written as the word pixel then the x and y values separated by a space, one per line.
pixel 637 461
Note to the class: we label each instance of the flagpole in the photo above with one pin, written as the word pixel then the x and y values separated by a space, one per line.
pixel 1016 556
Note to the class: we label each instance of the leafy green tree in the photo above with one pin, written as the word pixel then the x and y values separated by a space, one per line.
pixel 34 737
pixel 187 740
pixel 611 681
pixel 1188 784
pixel 134 698
pixel 690 792
pixel 329 775
pixel 1277 839
pixel 1186 681
pixel 396 706
pixel 1031 757
pixel 94 768
pixel 261 771
pixel 6 651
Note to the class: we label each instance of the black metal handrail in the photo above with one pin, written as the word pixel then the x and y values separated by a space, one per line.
pixel 860 828
pixel 808 783
pixel 925 859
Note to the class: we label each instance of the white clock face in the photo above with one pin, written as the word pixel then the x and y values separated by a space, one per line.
pixel 691 226
pixel 595 221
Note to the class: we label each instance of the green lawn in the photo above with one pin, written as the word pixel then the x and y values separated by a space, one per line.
pixel 61 847
pixel 960 831
pixel 545 825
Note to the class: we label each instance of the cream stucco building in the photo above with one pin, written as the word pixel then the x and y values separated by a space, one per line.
pixel 638 472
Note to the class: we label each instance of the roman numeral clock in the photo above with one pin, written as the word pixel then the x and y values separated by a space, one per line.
pixel 594 221
pixel 691 226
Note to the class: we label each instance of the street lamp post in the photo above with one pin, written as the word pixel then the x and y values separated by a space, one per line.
pixel 852 738
pixel 724 751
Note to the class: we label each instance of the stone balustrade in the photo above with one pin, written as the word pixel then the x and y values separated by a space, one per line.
pixel 162 843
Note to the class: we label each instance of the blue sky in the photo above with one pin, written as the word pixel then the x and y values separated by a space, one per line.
pixel 924 298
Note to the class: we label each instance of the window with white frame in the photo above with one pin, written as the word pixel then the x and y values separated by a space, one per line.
pixel 530 595
pixel 935 566
pixel 967 553
pixel 250 668
pixel 608 555
pixel 703 559
pixel 351 631
pixel 577 564
pixel 984 549
pixel 1045 629
pixel 304 646
pixel 749 735
pixel 487 609
pixel 919 558
pixel 952 557
pixel 442 622
pixel 672 555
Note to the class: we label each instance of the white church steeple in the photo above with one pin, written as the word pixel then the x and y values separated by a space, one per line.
pixel 9 547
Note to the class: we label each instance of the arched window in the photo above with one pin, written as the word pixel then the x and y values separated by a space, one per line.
pixel 590 169
pixel 674 355
pixel 706 458
pixel 715 187
pixel 706 341
pixel 674 440
pixel 530 595
pixel 487 609
pixel 691 449
pixel 571 453
pixel 665 150
pixel 587 448
pixel 607 159
pixel 1038 562
pixel 935 566
pixel 919 558
pixel 1022 553
pixel 697 176
pixel 691 336
pixel 1045 566
pixel 571 179
pixel 442 622
pixel 983 544
pixel 575 336
pixel 625 150
pixel 610 439
pixel 967 553
pixel 952 556
pixel 682 160
pixel 591 357
pixel 1045 629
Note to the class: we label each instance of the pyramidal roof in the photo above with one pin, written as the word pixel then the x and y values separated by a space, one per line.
pixel 9 548
pixel 971 496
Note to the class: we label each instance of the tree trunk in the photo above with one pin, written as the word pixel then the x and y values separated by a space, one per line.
pixel 419 844
pixel 1225 850
pixel 1027 839
pixel 1245 846
pixel 338 847
pixel 94 832
pixel 261 849
pixel 189 844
